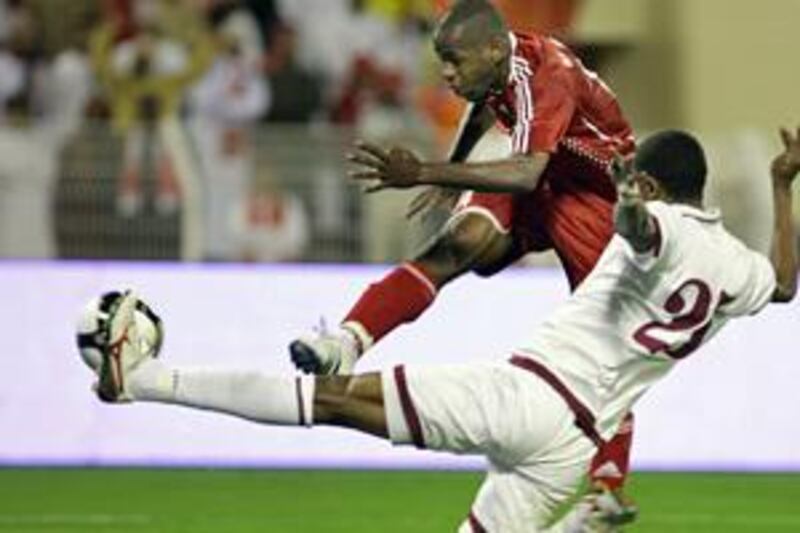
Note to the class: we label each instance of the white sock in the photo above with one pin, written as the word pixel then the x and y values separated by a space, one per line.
pixel 361 339
pixel 284 400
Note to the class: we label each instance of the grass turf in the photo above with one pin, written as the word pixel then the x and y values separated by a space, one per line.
pixel 230 501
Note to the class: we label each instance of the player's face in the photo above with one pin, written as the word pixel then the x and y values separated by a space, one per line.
pixel 469 73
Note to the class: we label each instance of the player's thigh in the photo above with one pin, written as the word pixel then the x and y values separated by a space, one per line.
pixel 491 409
pixel 529 497
pixel 531 494
pixel 519 217
pixel 469 241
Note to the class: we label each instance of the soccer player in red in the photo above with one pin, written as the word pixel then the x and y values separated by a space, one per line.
pixel 553 191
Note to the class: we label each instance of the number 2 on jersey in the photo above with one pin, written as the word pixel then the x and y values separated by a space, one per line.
pixel 686 319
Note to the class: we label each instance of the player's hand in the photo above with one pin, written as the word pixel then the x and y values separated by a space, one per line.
pixel 431 199
pixel 398 168
pixel 786 165
pixel 624 176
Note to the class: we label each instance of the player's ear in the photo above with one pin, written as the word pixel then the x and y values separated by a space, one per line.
pixel 499 47
pixel 649 186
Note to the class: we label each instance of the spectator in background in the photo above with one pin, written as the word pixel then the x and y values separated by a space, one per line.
pixel 12 79
pixel 3 21
pixel 383 63
pixel 237 27
pixel 226 104
pixel 273 225
pixel 354 41
pixel 47 97
pixel 65 24
pixel 267 16
pixel 146 57
pixel 370 65
pixel 402 9
pixel 296 91
pixel 21 56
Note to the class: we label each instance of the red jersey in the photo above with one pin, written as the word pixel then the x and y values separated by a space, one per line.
pixel 553 103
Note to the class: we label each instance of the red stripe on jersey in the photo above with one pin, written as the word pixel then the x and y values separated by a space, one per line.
pixel 475 524
pixel 584 419
pixel 409 411
pixel 521 74
pixel 557 103
pixel 659 239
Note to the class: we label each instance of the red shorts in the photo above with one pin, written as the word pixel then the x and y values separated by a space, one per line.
pixel 571 212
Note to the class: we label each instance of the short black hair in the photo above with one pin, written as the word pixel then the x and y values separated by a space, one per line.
pixel 676 160
pixel 469 23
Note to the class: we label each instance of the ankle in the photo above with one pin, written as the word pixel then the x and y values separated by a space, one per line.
pixel 152 380
pixel 357 336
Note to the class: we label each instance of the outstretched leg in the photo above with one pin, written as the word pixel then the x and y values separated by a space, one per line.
pixel 469 242
pixel 348 401
pixel 458 408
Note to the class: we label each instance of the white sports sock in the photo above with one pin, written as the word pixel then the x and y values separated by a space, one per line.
pixel 361 338
pixel 284 400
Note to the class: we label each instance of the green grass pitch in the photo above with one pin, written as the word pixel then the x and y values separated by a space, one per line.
pixel 230 501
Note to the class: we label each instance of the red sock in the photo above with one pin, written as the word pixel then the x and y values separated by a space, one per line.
pixel 611 464
pixel 398 298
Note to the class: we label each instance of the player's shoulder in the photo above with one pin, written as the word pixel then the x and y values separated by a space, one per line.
pixel 535 47
pixel 538 44
pixel 685 226
pixel 684 213
pixel 545 56
pixel 674 222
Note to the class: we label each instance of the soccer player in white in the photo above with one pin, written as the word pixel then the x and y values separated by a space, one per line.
pixel 669 279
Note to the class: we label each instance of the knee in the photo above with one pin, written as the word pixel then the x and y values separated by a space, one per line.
pixel 468 237
pixel 331 395
pixel 478 244
pixel 338 399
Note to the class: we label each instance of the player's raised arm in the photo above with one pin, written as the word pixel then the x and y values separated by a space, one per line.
pixel 400 168
pixel 631 218
pixel 783 256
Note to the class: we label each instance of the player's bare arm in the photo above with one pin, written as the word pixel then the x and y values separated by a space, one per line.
pixel 631 219
pixel 783 255
pixel 478 119
pixel 400 168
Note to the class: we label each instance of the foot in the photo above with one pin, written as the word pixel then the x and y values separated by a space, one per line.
pixel 614 507
pixel 325 353
pixel 123 353
pixel 601 510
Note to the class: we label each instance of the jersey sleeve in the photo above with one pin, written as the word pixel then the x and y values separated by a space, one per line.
pixel 751 285
pixel 663 220
pixel 546 104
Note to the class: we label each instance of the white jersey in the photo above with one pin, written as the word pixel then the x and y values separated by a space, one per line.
pixel 636 315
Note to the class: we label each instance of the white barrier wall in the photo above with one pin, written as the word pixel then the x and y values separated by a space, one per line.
pixel 734 405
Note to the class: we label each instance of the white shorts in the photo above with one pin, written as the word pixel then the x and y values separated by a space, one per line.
pixel 537 456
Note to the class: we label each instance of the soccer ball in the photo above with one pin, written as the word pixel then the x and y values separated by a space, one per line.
pixel 91 332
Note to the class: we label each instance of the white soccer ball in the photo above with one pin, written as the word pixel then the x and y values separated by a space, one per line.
pixel 91 329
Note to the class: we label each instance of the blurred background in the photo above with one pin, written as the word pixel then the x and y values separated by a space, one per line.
pixel 214 130
pixel 168 135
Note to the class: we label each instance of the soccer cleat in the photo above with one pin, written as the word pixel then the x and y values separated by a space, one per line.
pixel 325 353
pixel 602 511
pixel 614 507
pixel 123 351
